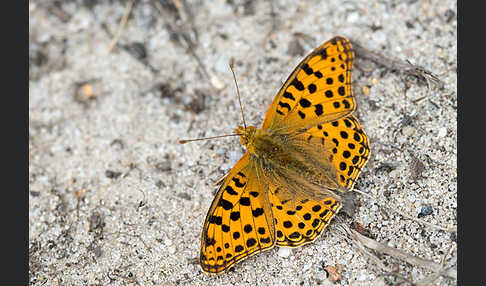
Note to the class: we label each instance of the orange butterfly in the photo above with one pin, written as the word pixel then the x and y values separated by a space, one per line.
pixel 285 189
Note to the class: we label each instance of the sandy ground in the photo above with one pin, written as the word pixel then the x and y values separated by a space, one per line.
pixel 114 200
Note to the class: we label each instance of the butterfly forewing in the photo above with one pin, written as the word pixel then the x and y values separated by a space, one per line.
pixel 318 90
pixel 239 222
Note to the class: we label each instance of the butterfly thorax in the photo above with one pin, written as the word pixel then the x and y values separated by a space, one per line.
pixel 259 142
pixel 270 149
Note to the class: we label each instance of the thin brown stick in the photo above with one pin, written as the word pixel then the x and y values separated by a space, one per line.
pixel 429 279
pixel 180 9
pixel 397 65
pixel 434 276
pixel 123 21
pixel 344 233
pixel 231 65
pixel 183 37
pixel 416 261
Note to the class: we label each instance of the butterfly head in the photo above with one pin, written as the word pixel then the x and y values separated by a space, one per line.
pixel 247 134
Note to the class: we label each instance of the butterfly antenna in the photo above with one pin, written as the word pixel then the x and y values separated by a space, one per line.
pixel 237 91
pixel 184 141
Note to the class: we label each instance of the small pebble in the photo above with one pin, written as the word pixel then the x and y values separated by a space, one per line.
pixel 284 252
pixel 442 132
pixel 163 166
pixel 307 267
pixel 394 174
pixel 221 65
pixel 379 37
pixel 366 90
pixel 425 210
pixel 352 17
pixel 408 130
pixel 380 281
pixel 168 242
pixel 453 236
pixel 171 249
pixel 217 83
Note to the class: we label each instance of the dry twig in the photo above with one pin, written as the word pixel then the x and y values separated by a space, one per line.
pixel 123 21
pixel 404 67
pixel 399 254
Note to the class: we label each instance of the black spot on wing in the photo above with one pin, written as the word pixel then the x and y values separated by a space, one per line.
pixel 288 95
pixel 284 105
pixel 238 183
pixel 298 84
pixel 308 70
pixel 304 103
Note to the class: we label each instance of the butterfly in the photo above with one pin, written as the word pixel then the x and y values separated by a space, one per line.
pixel 286 188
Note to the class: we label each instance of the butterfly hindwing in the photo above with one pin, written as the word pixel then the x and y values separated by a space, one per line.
pixel 318 90
pixel 239 222
pixel 302 212
pixel 300 222
pixel 348 145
